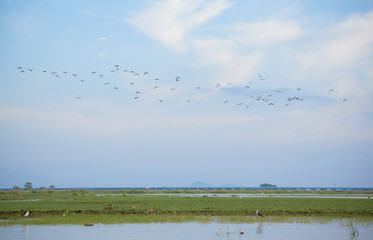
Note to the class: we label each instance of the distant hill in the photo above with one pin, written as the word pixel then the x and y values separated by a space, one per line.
pixel 200 184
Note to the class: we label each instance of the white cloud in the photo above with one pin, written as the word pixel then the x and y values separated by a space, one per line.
pixel 341 45
pixel 265 33
pixel 102 54
pixel 231 67
pixel 169 21
pixel 103 38
pixel 342 55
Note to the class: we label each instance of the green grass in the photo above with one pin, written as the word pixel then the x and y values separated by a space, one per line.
pixel 82 206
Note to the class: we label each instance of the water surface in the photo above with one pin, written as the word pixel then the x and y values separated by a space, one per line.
pixel 339 229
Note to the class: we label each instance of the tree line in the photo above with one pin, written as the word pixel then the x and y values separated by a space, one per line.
pixel 28 186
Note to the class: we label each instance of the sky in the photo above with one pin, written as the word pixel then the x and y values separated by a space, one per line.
pixel 166 93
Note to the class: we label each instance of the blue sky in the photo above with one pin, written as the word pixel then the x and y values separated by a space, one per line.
pixel 267 91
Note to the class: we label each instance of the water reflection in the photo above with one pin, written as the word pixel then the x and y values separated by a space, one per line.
pixel 259 229
pixel 338 229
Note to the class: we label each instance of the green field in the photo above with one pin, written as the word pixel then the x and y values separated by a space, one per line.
pixel 82 206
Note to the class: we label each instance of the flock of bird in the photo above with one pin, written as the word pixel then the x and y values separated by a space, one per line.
pixel 144 83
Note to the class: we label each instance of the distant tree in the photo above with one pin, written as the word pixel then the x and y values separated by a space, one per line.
pixel 267 185
pixel 43 188
pixel 52 187
pixel 28 186
pixel 16 188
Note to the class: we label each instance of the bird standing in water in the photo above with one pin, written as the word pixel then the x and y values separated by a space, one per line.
pixel 25 214
pixel 259 215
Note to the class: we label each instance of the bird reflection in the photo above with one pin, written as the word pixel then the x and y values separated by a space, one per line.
pixel 259 228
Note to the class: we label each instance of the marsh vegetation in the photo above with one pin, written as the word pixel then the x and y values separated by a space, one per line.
pixel 127 206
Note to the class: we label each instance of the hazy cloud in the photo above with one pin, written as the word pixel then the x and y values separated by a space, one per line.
pixel 264 33
pixel 169 21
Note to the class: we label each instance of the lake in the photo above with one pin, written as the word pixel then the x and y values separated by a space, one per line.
pixel 335 229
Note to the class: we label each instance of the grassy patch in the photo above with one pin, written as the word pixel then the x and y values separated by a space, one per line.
pixel 82 206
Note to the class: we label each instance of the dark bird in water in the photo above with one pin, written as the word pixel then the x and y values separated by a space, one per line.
pixel 188 100
pixel 136 97
pixel 131 83
pixel 101 75
pixel 259 214
pixel 78 97
pixel 75 74
pixel 345 100
pixel 93 72
pixel 156 87
pixel 115 88
pixel 331 90
pixel 30 69
pixel 177 79
pixel 225 101
pixel 65 72
pixel 44 71
pixel 138 92
pixel 19 68
pixel 298 89
pixel 145 73
pixel 160 100
pixel 106 83
pixel 172 89
pixel 156 79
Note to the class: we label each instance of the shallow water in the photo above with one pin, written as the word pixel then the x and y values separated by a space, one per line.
pixel 241 195
pixel 338 229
